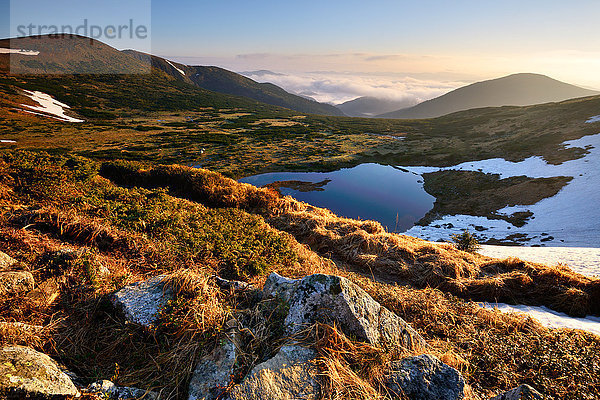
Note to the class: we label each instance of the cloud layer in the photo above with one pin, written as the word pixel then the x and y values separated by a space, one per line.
pixel 335 88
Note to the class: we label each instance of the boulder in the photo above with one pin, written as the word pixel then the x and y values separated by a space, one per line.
pixel 26 373
pixel 110 391
pixel 424 377
pixel 289 375
pixel 329 298
pixel 6 261
pixel 523 392
pixel 142 302
pixel 213 374
pixel 16 282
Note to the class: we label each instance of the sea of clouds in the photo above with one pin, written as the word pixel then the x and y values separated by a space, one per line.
pixel 336 88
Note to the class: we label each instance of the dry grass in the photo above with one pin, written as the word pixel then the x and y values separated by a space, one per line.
pixel 494 351
pixel 365 246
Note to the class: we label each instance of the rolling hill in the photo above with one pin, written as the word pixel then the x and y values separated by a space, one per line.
pixel 223 81
pixel 368 106
pixel 512 90
pixel 67 54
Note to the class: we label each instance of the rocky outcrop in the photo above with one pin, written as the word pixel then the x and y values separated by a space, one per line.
pixel 287 376
pixel 16 282
pixel 329 298
pixel 425 378
pixel 213 375
pixel 142 302
pixel 523 392
pixel 26 373
pixel 6 261
pixel 110 391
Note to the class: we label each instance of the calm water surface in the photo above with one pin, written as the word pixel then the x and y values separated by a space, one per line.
pixel 382 193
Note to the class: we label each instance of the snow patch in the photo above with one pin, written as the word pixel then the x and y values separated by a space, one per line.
pixel 570 218
pixel 49 106
pixel 21 52
pixel 593 119
pixel 7 141
pixel 550 318
pixel 583 260
pixel 178 70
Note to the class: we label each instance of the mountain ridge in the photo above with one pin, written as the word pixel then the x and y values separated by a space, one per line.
pixel 221 80
pixel 522 89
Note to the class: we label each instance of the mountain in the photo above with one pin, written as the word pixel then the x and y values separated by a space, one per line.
pixel 67 54
pixel 106 91
pixel 223 81
pixel 260 72
pixel 372 106
pixel 512 90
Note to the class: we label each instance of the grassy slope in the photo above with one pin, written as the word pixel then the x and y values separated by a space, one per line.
pixel 119 235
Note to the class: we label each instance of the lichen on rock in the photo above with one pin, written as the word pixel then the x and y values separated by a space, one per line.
pixel 142 302
pixel 15 282
pixel 289 375
pixel 26 373
pixel 425 377
pixel 329 298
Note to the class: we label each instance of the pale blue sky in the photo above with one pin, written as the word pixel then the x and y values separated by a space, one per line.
pixel 198 27
pixel 379 26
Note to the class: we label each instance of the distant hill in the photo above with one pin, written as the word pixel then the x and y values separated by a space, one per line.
pixel 223 81
pixel 67 54
pixel 512 90
pixel 372 106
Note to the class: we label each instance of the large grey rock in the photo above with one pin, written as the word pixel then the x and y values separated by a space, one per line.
pixel 290 375
pixel 6 261
pixel 213 374
pixel 16 282
pixel 523 392
pixel 141 302
pixel 26 373
pixel 330 298
pixel 425 378
pixel 109 391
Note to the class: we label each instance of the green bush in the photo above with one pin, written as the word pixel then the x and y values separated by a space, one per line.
pixel 466 241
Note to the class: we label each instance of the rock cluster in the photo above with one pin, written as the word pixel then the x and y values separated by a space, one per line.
pixel 291 373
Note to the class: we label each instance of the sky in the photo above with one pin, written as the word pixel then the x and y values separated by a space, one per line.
pixel 385 48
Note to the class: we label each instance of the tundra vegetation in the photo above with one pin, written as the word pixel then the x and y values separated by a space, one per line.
pixel 85 229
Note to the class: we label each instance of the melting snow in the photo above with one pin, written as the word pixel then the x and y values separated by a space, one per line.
pixel 21 52
pixel 583 260
pixel 570 218
pixel 179 70
pixel 593 119
pixel 49 105
pixel 551 318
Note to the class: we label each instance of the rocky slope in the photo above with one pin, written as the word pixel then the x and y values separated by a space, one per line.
pixel 132 292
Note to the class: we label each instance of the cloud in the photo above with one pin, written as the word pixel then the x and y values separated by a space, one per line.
pixel 335 88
